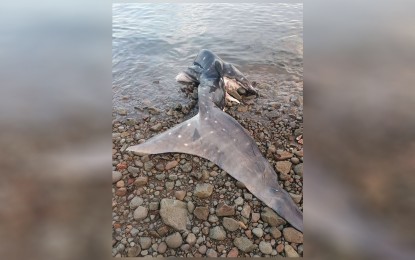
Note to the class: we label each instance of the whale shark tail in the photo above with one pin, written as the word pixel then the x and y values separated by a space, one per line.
pixel 218 137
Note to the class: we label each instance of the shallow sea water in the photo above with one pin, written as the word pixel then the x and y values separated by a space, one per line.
pixel 152 43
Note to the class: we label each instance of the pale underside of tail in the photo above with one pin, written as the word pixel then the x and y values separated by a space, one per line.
pixel 218 137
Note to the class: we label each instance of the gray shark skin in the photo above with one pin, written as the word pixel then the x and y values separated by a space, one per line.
pixel 216 136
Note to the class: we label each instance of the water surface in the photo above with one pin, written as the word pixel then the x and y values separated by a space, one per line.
pixel 152 43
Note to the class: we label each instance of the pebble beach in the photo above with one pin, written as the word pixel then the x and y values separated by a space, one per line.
pixel 185 206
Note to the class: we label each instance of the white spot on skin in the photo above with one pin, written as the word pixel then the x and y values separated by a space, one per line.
pixel 223 129
pixel 185 144
pixel 206 118
pixel 234 140
pixel 188 124
pixel 216 121
pixel 169 133
pixel 211 132
pixel 179 136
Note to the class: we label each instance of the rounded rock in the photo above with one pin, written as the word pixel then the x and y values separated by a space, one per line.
pixel 135 202
pixel 140 213
pixel 258 232
pixel 265 247
pixel 116 176
pixel 217 233
pixel 174 241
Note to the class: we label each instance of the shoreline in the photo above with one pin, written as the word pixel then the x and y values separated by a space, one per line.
pixel 141 182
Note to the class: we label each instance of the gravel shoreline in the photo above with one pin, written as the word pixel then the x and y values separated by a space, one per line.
pixel 182 205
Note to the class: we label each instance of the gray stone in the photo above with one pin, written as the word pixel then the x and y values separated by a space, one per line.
pixel 140 213
pixel 160 177
pixel 217 233
pixel 265 247
pixel 244 244
pixel 269 216
pixel 190 206
pixel 298 169
pixel 239 201
pixel 185 247
pixel 290 252
pixel 230 224
pixel 248 196
pixel 148 165
pixel 203 190
pixel 191 239
pixel 174 213
pixel 154 205
pixel 211 253
pixel 145 242
pixel 133 170
pixel 196 230
pixel 187 167
pixel 258 232
pixel 196 174
pixel 169 185
pixel 135 202
pixel 116 176
pixel 134 232
pixel 174 241
pixel 202 249
pixel 120 247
